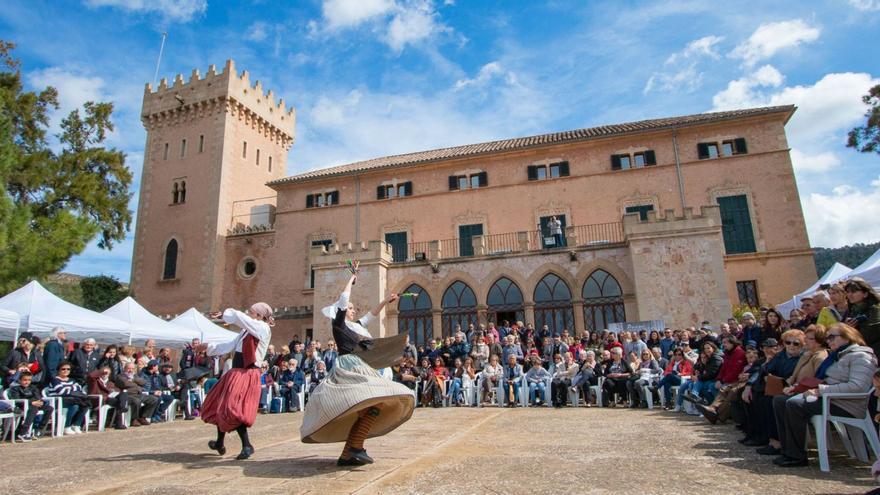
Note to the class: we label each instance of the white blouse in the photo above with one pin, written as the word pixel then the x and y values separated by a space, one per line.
pixel 358 327
pixel 259 329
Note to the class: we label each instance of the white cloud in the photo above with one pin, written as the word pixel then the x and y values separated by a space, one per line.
pixel 399 23
pixel 74 88
pixel 486 74
pixel 744 92
pixel 257 32
pixel 865 5
pixel 814 162
pixel 350 13
pixel 175 10
pixel 772 37
pixel 680 72
pixel 846 216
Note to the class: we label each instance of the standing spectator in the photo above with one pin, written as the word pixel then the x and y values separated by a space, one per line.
pixel 141 409
pixel 329 356
pixel 554 226
pixel 495 348
pixel 54 352
pixel 164 356
pixel 632 345
pixel 511 349
pixel 837 310
pixel 73 398
pixel 111 360
pixel 849 368
pixel 480 354
pixel 101 383
pixel 290 383
pixel 751 331
pixel 27 391
pixel 84 360
pixel 459 348
pixel 653 339
pixel 513 374
pixel 864 311
pixel 188 356
pixel 810 314
pixel 773 325
pixel 127 355
pixel 23 353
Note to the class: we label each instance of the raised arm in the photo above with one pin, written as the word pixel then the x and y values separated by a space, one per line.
pixel 257 328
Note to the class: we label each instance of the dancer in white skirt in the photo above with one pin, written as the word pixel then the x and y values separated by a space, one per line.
pixel 354 402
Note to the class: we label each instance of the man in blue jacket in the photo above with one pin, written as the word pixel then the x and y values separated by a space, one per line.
pixel 54 353
pixel 290 383
pixel 154 387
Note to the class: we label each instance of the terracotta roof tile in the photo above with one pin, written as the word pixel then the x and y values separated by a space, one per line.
pixel 419 157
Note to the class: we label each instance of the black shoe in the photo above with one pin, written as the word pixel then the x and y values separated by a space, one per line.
pixel 245 453
pixel 360 455
pixel 769 450
pixel 744 439
pixel 789 462
pixel 189 418
pixel 708 413
pixel 755 443
pixel 219 448
pixel 351 461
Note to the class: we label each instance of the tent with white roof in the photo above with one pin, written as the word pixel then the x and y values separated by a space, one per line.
pixel 41 311
pixel 9 323
pixel 869 270
pixel 834 274
pixel 210 332
pixel 146 326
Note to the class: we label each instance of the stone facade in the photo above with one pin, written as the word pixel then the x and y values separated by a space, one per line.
pixel 223 263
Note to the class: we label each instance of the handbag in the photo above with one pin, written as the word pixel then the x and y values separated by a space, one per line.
pixel 805 384
pixel 774 386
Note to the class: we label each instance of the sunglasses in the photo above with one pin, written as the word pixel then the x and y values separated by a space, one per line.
pixel 794 343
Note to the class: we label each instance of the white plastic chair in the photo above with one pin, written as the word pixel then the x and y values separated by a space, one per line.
pixel 649 396
pixel 597 390
pixel 61 414
pixel 10 419
pixel 469 390
pixel 103 411
pixel 859 426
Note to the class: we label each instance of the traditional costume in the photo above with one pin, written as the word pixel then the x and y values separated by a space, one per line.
pixel 232 403
pixel 354 402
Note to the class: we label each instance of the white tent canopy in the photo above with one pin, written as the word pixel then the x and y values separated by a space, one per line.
pixel 869 270
pixel 41 311
pixel 145 326
pixel 834 274
pixel 9 322
pixel 210 333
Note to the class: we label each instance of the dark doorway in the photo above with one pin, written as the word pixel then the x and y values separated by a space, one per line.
pixel 465 237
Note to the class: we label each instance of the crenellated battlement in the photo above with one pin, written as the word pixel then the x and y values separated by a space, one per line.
pixel 670 224
pixel 227 91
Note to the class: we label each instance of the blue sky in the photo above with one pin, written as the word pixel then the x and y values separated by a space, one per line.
pixel 377 77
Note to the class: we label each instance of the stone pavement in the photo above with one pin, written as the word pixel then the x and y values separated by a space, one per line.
pixel 448 451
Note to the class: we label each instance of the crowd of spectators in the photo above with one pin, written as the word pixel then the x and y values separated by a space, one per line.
pixel 762 371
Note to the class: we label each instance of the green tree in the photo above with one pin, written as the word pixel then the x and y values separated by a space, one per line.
pixel 54 202
pixel 101 292
pixel 866 138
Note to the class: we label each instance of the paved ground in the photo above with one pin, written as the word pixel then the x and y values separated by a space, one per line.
pixel 448 451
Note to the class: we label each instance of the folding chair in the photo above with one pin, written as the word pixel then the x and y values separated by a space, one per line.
pixel 861 427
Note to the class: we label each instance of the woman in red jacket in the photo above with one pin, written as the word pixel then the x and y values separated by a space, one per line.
pixel 678 368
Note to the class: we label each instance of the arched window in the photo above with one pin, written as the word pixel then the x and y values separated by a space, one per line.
pixel 175 194
pixel 553 305
pixel 459 307
pixel 183 192
pixel 505 302
pixel 603 301
pixel 414 316
pixel 170 271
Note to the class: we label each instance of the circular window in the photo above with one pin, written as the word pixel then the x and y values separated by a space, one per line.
pixel 247 268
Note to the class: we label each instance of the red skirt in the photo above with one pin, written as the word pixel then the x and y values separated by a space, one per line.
pixel 234 400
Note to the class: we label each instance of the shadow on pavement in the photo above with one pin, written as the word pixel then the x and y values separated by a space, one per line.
pixel 292 467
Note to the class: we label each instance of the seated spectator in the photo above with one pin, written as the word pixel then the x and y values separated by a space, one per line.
pixel 143 408
pixel 760 426
pixel 720 408
pixel 73 398
pixel 563 375
pixel 676 370
pixel 318 375
pixel 310 360
pixel 330 354
pixel 617 372
pixel 25 390
pixel 127 355
pixel 435 387
pixel 267 385
pixel 172 388
pixel 864 311
pixel 290 382
pixel 536 379
pixel 480 354
pixel 814 355
pixel 101 383
pixel 456 382
pixel 662 360
pixel 702 390
pixel 511 348
pixel 164 356
pixel 645 375
pixel 588 375
pixel 153 387
pixel 403 373
pixel 512 376
pixel 25 352
pixel 849 368
pixel 491 375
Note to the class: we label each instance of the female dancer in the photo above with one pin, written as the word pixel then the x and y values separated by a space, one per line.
pixel 354 402
pixel 232 403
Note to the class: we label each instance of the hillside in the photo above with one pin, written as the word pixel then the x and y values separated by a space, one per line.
pixel 851 256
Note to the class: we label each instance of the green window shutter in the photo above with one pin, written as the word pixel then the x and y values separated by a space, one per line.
pixel 453 183
pixel 533 172
pixel 739 146
pixel 483 178
pixel 615 162
pixel 407 188
pixel 650 158
pixel 310 201
pixel 736 225
pixel 703 150
pixel 380 192
pixel 334 198
pixel 563 169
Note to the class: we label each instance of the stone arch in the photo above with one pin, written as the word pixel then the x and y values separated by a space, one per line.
pixel 455 275
pixel 171 258
pixel 626 285
pixel 434 290
pixel 503 271
pixel 540 272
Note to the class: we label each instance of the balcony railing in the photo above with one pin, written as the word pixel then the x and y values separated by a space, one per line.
pixel 579 236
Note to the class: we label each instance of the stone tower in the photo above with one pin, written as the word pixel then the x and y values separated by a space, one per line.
pixel 213 143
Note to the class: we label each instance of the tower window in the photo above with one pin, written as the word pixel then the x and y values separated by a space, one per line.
pixel 201 143
pixel 244 150
pixel 258 157
pixel 175 194
pixel 170 269
pixel 270 163
pixel 183 148
pixel 183 192
pixel 165 153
